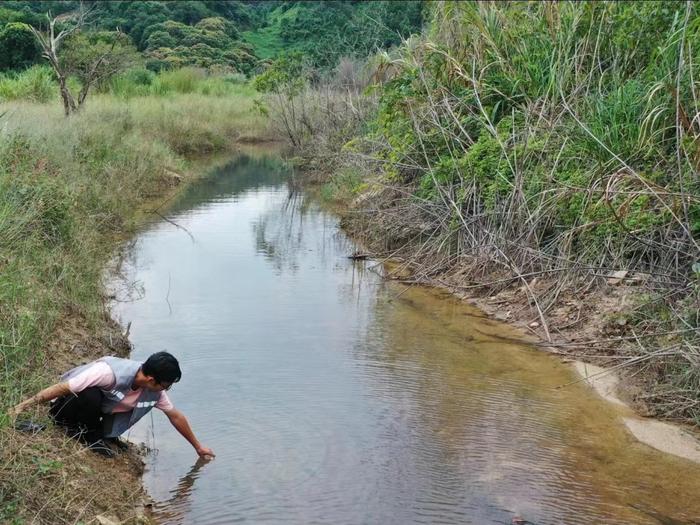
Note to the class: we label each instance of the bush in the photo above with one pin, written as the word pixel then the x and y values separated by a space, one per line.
pixel 131 83
pixel 18 47
pixel 35 84
pixel 183 80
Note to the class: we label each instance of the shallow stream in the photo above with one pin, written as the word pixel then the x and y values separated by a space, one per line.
pixel 331 396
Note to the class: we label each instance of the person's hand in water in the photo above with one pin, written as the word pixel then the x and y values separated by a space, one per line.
pixel 205 453
pixel 179 421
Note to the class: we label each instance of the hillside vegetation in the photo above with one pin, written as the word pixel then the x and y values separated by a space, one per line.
pixel 226 35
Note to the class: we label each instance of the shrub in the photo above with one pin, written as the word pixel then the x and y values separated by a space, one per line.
pixel 134 82
pixel 36 84
pixel 18 47
pixel 182 80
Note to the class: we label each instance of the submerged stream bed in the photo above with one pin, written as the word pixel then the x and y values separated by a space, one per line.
pixel 332 396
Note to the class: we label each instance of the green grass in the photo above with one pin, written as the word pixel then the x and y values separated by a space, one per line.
pixel 266 41
pixel 344 186
pixel 141 82
pixel 36 84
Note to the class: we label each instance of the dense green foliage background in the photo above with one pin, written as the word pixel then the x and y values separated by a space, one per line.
pixel 226 35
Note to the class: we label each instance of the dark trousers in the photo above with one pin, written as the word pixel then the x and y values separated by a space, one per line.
pixel 80 414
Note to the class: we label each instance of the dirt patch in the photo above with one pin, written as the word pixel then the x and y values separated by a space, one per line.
pixel 74 342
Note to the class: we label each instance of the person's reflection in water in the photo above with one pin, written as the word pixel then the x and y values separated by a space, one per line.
pixel 174 509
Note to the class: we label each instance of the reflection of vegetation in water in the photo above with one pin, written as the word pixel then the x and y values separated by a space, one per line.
pixel 244 172
pixel 279 234
pixel 279 231
pixel 282 235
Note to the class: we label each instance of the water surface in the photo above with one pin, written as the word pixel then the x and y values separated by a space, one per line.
pixel 333 397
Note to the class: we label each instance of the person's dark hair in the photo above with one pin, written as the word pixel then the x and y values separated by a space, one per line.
pixel 163 367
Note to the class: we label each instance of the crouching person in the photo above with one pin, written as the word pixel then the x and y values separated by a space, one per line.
pixel 99 401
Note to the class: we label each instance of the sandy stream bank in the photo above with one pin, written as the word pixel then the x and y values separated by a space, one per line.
pixel 677 439
pixel 510 307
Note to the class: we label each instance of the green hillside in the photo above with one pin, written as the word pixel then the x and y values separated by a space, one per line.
pixel 225 35
pixel 267 39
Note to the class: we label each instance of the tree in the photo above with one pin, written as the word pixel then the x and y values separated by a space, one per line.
pixel 218 25
pixel 95 57
pixel 160 39
pixel 92 58
pixel 213 43
pixel 284 80
pixel 50 42
pixel 18 47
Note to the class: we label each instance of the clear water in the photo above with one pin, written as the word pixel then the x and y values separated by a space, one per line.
pixel 330 396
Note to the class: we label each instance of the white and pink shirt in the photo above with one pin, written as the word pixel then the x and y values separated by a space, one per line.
pixel 101 376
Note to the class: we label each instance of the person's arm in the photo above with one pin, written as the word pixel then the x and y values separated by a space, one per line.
pixel 179 421
pixel 52 392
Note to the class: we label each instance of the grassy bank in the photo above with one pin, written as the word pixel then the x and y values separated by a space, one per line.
pixel 546 151
pixel 69 189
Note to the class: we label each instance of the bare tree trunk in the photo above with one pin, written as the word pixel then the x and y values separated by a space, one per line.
pixel 68 100
pixel 49 42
